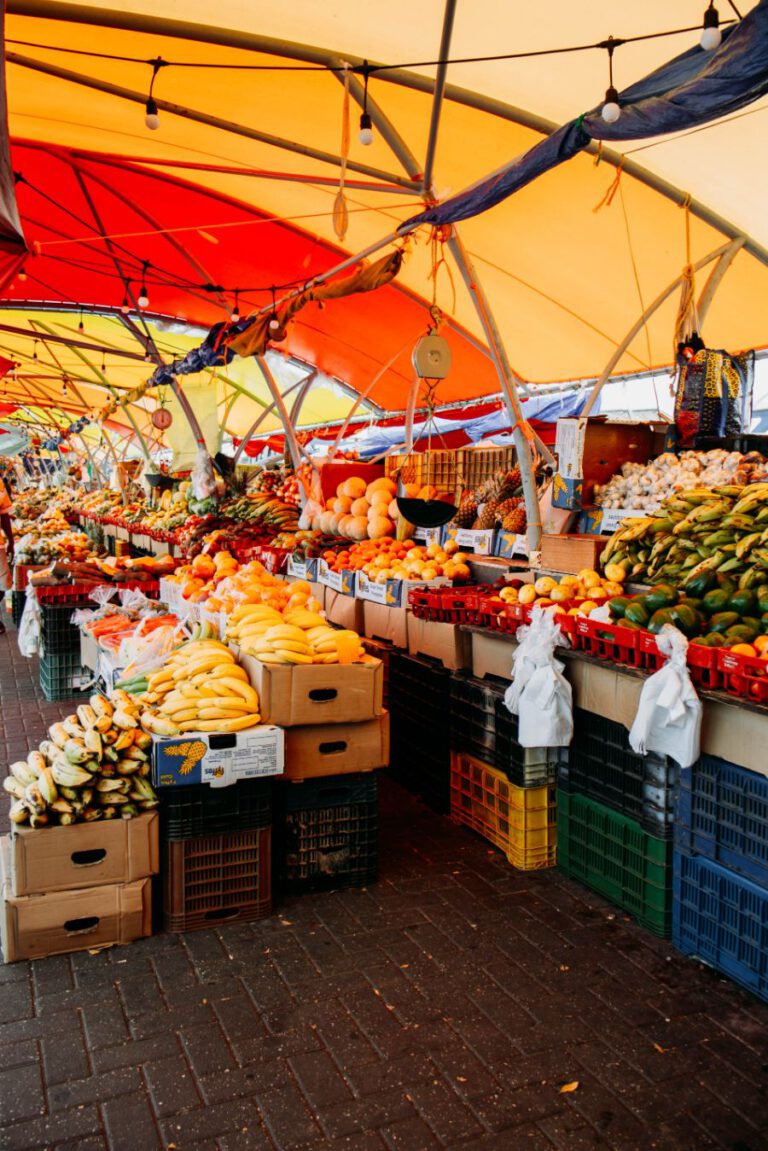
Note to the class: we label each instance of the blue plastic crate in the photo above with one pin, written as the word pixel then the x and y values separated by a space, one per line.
pixel 721 812
pixel 722 919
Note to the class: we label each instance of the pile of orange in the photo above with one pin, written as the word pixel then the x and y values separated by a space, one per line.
pixel 384 559
pixel 220 583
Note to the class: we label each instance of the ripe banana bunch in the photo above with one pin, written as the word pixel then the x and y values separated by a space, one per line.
pixel 94 765
pixel 204 629
pixel 324 643
pixel 200 688
pixel 279 643
pixel 251 621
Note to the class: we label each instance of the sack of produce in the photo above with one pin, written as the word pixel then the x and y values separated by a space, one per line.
pixel 539 694
pixel 668 719
pixel 29 626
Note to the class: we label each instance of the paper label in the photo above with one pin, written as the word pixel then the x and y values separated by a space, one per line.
pixel 302 569
pixel 343 581
pixel 612 517
pixel 569 446
pixel 427 535
pixel 480 542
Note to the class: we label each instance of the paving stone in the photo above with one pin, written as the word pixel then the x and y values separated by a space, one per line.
pixel 21 1093
pixel 65 1057
pixel 207 1049
pixel 96 1088
pixel 130 1123
pixel 410 1135
pixel 171 1085
pixel 319 1079
pixel 49 1130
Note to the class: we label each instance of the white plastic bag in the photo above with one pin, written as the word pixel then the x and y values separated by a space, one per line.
pixel 539 694
pixel 202 478
pixel 669 713
pixel 29 626
pixel 102 595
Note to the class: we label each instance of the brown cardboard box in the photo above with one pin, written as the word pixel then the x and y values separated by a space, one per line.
pixel 387 623
pixel 294 695
pixel 491 654
pixel 343 610
pixel 338 750
pixel 33 926
pixel 444 641
pixel 49 859
pixel 570 553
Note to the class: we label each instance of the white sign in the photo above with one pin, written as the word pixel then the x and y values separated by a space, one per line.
pixel 480 541
pixel 612 517
pixel 569 445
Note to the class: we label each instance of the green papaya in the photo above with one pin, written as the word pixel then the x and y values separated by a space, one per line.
pixel 637 612
pixel 740 634
pixel 725 582
pixel 715 639
pixel 700 584
pixel 659 618
pixel 744 602
pixel 752 621
pixel 687 619
pixel 628 623
pixel 661 595
pixel 722 620
pixel 618 606
pixel 716 600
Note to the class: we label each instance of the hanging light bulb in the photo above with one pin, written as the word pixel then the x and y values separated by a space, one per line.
pixel 152 119
pixel 22 274
pixel 81 325
pixel 366 125
pixel 236 310
pixel 274 323
pixel 125 307
pixel 143 300
pixel 34 351
pixel 611 109
pixel 711 36
pixel 64 386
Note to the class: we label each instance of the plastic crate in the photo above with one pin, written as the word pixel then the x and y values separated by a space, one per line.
pixel 327 832
pixel 521 821
pixel 217 879
pixel 722 813
pixel 439 468
pixel 743 675
pixel 721 918
pixel 609 641
pixel 57 633
pixel 477 465
pixel 419 704
pixel 703 667
pixel 614 856
pixel 63 676
pixel 199 809
pixel 473 716
pixel 18 601
pixel 523 766
pixel 601 764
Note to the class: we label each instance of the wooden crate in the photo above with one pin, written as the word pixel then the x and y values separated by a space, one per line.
pixel 570 553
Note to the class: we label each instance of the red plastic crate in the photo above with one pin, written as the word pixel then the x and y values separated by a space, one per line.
pixel 651 657
pixel 609 641
pixel 743 675
pixel 703 666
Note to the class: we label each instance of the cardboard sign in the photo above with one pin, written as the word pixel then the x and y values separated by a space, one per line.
pixel 509 545
pixel 302 569
pixel 481 542
pixel 343 581
pixel 219 759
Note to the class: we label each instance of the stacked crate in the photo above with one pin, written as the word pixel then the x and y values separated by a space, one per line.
pixel 62 674
pixel 216 853
pixel 419 702
pixel 498 788
pixel 615 812
pixel 720 906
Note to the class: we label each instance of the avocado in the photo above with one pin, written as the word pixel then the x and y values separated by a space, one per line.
pixel 618 605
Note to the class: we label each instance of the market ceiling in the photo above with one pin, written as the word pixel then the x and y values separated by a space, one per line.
pixel 234 192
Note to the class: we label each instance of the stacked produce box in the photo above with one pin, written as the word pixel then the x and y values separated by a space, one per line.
pixel 720 907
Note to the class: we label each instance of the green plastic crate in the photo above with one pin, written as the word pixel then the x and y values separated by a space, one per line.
pixel 614 856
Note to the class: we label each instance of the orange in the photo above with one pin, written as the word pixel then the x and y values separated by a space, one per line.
pixel 761 644
pixel 743 649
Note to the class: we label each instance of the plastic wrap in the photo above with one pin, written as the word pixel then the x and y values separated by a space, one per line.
pixel 29 626
pixel 669 713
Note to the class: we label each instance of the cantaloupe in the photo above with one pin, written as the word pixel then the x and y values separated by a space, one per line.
pixel 393 510
pixel 341 505
pixel 379 497
pixel 344 524
pixel 381 485
pixel 325 522
pixel 353 488
pixel 357 528
pixel 360 507
pixel 380 527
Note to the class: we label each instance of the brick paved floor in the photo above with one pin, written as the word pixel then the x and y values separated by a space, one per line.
pixel 444 1007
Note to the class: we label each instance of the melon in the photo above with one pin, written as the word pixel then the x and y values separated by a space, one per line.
pixel 344 524
pixel 393 511
pixel 353 488
pixel 360 507
pixel 335 521
pixel 380 527
pixel 357 528
pixel 325 522
pixel 341 505
pixel 379 497
pixel 381 485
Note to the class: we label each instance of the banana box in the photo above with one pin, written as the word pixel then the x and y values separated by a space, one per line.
pixel 294 695
pixel 219 759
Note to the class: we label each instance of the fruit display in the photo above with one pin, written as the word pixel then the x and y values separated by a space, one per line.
pixel 498 503
pixel 297 636
pixel 201 687
pixel 723 530
pixel 383 559
pixel 361 511
pixel 572 594
pixel 95 764
pixel 222 584
pixel 648 485
pixel 263 508
pixel 710 610
pixel 104 570
pixel 308 545
pixel 34 548
pixel 281 482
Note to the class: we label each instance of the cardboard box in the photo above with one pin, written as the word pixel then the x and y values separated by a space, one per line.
pixel 89 651
pixel 570 553
pixel 386 623
pixel 322 750
pixel 491 654
pixel 509 546
pixel 50 859
pixel 34 926
pixel 293 695
pixel 567 493
pixel 217 758
pixel 343 610
pixel 444 641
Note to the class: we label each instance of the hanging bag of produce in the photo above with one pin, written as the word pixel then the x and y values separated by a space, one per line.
pixel 668 719
pixel 29 625
pixel 539 694
pixel 712 394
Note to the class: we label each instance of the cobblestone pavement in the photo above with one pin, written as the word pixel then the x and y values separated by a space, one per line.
pixel 447 1006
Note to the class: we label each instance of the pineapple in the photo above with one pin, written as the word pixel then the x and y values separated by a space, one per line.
pixel 467 511
pixel 487 518
pixel 515 521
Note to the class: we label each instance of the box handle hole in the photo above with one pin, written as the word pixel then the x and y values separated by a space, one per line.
pixel 323 694
pixel 81 926
pixel 336 747
pixel 89 858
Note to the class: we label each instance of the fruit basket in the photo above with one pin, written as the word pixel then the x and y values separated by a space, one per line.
pixel 608 641
pixel 743 675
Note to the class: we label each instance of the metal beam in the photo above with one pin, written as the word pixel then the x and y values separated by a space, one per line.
pixel 386 128
pixel 260 420
pixel 202 118
pixel 251 42
pixel 716 277
pixel 638 325
pixel 437 102
pixel 70 341
pixel 290 433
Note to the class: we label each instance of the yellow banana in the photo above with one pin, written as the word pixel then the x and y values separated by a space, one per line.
pixel 293 657
pixel 236 686
pixel 240 724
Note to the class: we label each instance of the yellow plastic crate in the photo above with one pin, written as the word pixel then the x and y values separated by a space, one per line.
pixel 521 821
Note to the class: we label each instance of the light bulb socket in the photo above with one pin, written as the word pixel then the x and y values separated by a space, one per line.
pixel 22 274
pixel 611 108
pixel 125 307
pixel 152 119
pixel 143 300
pixel 366 129
pixel 711 36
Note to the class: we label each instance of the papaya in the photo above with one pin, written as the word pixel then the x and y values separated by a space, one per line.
pixel 702 640
pixel 722 620
pixel 687 619
pixel 628 623
pixel 637 612
pixel 661 595
pixel 716 600
pixel 617 606
pixel 715 639
pixel 696 604
pixel 725 583
pixel 752 621
pixel 744 602
pixel 700 584
pixel 740 634
pixel 659 618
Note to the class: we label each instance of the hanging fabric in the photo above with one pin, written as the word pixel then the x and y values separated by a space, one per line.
pixel 713 395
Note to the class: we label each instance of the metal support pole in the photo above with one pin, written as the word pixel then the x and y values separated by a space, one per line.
pixel 259 421
pixel 716 277
pixel 520 432
pixel 437 102
pixel 290 434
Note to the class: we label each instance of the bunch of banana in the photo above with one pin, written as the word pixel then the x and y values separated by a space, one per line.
pixel 204 629
pixel 200 688
pixel 723 530
pixel 281 643
pixel 325 645
pixel 94 765
pixel 249 622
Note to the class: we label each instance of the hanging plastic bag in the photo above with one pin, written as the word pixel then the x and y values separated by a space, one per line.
pixel 202 479
pixel 539 694
pixel 101 595
pixel 669 713
pixel 29 626
pixel 310 511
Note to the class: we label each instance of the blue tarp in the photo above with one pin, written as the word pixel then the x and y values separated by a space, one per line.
pixel 695 88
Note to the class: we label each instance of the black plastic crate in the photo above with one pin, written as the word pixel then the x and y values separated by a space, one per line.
pixel 601 764
pixel 58 634
pixel 420 753
pixel 199 809
pixel 216 879
pixel 523 766
pixel 63 676
pixel 18 600
pixel 473 716
pixel 326 832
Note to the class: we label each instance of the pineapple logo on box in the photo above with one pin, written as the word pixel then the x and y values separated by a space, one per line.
pixel 193 752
